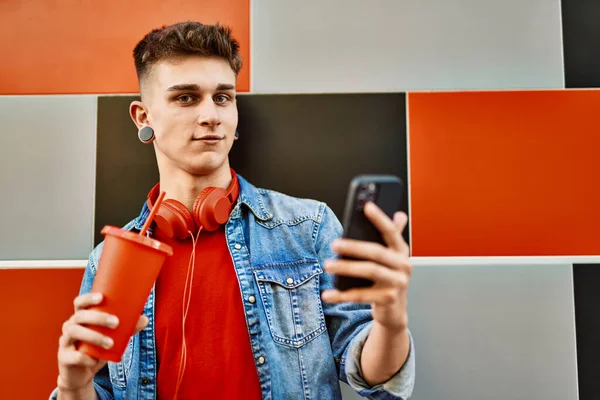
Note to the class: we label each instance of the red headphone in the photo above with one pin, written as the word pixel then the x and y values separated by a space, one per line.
pixel 211 210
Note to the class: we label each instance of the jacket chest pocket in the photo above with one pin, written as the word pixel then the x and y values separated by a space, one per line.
pixel 291 298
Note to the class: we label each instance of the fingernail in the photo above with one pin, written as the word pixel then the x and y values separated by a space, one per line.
pixel 112 320
pixel 97 296
pixel 107 343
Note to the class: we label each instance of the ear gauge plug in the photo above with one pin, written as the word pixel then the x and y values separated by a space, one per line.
pixel 146 134
pixel 237 134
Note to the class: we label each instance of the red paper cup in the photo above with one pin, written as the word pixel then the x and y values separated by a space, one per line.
pixel 128 267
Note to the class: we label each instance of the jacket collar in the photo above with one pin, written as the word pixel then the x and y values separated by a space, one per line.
pixel 252 197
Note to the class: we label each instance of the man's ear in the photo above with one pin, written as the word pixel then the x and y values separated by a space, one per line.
pixel 139 114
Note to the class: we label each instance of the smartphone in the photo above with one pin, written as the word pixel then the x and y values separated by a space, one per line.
pixel 383 190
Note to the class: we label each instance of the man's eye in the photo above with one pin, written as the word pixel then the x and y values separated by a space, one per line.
pixel 185 98
pixel 221 98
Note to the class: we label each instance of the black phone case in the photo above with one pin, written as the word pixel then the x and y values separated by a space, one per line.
pixel 383 190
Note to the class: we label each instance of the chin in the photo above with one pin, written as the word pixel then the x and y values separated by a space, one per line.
pixel 195 163
pixel 204 168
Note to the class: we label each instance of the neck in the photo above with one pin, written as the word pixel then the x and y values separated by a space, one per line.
pixel 185 187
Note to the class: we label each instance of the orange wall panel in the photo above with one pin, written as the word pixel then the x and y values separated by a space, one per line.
pixel 77 46
pixel 513 173
pixel 34 303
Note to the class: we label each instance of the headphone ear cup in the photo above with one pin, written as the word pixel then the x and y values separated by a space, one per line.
pixel 211 208
pixel 174 220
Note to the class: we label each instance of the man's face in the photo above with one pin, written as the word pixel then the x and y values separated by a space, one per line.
pixel 192 109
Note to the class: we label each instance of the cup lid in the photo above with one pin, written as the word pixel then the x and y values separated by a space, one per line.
pixel 133 236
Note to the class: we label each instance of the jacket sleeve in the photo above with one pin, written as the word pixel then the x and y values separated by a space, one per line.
pixel 349 324
pixel 102 383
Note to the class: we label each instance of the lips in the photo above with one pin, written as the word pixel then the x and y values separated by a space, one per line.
pixel 210 138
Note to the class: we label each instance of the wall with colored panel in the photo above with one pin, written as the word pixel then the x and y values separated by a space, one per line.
pixel 490 172
pixel 34 303
pixel 86 47
pixel 504 173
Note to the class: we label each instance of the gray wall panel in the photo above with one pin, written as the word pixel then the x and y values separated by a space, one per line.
pixel 493 332
pixel 387 45
pixel 47 176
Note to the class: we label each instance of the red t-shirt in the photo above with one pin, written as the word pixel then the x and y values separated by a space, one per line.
pixel 220 363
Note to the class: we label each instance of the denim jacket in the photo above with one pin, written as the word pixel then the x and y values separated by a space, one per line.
pixel 301 345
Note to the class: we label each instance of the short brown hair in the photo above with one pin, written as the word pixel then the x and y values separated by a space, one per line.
pixel 185 39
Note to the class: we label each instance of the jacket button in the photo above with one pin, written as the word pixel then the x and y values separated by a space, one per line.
pixel 290 280
pixel 261 360
pixel 145 381
pixel 252 299
pixel 237 246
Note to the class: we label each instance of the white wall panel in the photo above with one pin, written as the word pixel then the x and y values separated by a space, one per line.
pixel 388 45
pixel 493 331
pixel 47 147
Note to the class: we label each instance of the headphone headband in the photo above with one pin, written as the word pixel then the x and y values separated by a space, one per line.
pixel 232 190
pixel 211 209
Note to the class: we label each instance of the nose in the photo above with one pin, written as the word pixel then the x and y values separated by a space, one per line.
pixel 209 114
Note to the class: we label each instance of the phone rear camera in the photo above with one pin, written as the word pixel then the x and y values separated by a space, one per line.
pixel 366 192
pixel 360 203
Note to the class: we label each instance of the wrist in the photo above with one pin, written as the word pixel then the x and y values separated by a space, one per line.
pixel 384 353
pixel 397 327
pixel 69 392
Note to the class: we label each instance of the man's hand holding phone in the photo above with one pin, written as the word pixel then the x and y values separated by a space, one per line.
pixel 386 265
pixel 373 267
pixel 76 369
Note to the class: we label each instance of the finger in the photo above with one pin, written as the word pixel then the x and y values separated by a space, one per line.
pixel 95 318
pixel 74 358
pixel 390 233
pixel 362 295
pixel 401 221
pixel 86 300
pixel 376 273
pixel 73 333
pixel 371 251
pixel 141 324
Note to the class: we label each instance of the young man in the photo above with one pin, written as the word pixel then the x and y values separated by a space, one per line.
pixel 262 319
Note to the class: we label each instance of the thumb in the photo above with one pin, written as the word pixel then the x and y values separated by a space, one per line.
pixel 141 324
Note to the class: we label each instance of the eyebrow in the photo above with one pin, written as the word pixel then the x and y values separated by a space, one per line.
pixel 194 87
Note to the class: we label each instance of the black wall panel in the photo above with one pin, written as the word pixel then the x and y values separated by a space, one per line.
pixel 125 168
pixel 581 43
pixel 303 145
pixel 312 145
pixel 586 286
